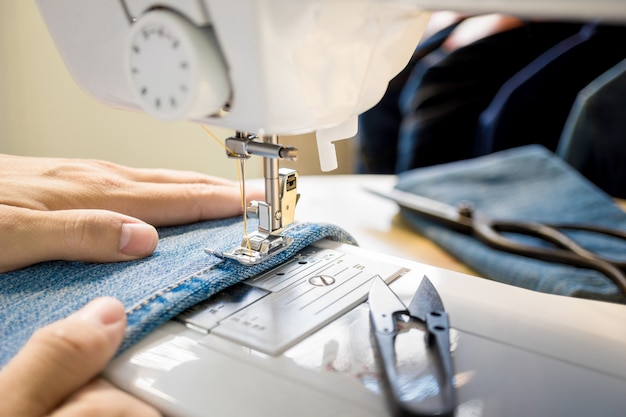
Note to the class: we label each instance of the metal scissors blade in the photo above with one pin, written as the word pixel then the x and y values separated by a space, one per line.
pixel 426 307
pixel 425 300
pixel 441 212
pixel 383 304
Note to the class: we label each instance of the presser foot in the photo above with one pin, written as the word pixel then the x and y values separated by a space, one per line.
pixel 256 248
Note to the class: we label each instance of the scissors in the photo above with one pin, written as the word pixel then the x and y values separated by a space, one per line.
pixel 426 308
pixel 466 220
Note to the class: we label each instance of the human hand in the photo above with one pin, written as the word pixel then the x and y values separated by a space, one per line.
pixel 55 373
pixel 96 211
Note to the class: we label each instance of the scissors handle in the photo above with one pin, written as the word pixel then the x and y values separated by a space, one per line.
pixel 437 325
pixel 600 230
pixel 567 251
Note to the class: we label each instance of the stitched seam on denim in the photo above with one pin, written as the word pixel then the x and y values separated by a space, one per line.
pixel 161 292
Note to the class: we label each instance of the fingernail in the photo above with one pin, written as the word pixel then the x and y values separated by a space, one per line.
pixel 102 311
pixel 138 239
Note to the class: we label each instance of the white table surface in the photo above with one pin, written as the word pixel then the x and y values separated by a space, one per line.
pixel 373 221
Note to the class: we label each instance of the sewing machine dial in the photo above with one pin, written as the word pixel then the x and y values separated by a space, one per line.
pixel 176 69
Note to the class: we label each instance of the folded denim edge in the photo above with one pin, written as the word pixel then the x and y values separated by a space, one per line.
pixel 168 302
pixel 442 182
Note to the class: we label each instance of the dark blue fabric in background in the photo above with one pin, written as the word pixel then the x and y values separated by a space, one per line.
pixel 447 91
pixel 177 276
pixel 594 137
pixel 529 184
pixel 532 107
pixel 429 112
pixel 506 90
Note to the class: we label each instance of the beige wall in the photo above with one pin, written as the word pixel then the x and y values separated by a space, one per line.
pixel 44 113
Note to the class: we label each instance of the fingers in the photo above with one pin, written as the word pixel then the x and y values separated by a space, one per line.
pixel 154 175
pixel 169 176
pixel 160 197
pixel 117 233
pixel 68 169
pixel 31 236
pixel 175 204
pixel 164 197
pixel 95 211
pixel 61 358
pixel 100 398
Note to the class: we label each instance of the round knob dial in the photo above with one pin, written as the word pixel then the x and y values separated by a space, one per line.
pixel 176 69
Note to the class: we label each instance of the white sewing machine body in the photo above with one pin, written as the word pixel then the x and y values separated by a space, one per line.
pixel 269 67
pixel 516 352
pixel 288 66
pixel 261 66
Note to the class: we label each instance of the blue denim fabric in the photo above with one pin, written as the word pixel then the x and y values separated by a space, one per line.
pixel 177 276
pixel 530 184
pixel 594 137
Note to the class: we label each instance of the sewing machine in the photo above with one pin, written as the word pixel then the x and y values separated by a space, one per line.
pixel 267 68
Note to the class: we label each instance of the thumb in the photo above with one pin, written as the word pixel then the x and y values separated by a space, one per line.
pixel 31 236
pixel 61 358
